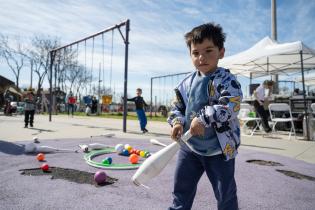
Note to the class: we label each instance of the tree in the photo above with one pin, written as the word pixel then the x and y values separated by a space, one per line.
pixel 39 57
pixel 13 55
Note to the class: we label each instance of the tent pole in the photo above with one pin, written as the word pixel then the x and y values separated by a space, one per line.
pixel 304 97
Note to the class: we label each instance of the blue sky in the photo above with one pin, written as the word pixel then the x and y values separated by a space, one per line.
pixel 157 45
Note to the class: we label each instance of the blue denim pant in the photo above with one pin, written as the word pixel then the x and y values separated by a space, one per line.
pixel 189 169
pixel 142 118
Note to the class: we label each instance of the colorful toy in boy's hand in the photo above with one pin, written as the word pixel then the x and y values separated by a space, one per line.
pixel 133 159
pixel 100 177
pixel 45 167
pixel 107 161
pixel 40 157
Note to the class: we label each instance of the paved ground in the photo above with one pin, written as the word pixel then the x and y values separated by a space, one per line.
pixel 259 186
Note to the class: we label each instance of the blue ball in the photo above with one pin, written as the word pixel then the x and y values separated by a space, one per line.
pixel 125 152
pixel 107 161
pixel 110 160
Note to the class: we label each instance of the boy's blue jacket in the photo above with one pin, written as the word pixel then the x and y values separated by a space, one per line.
pixel 225 96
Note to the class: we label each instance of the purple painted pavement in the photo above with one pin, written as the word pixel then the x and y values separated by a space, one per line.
pixel 259 187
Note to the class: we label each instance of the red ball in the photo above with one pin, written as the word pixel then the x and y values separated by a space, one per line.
pixel 133 158
pixel 132 151
pixel 45 167
pixel 138 152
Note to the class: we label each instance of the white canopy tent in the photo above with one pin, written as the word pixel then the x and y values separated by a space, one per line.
pixel 267 57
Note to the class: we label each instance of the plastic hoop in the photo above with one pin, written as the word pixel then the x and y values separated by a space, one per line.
pixel 114 166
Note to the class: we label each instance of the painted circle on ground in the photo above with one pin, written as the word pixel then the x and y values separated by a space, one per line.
pixel 114 166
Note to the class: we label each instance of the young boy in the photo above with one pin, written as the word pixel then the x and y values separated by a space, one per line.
pixel 207 103
pixel 140 103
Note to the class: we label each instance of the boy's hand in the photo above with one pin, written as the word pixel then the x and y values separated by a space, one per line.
pixel 177 131
pixel 197 128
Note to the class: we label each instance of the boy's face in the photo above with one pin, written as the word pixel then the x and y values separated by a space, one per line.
pixel 205 56
pixel 138 93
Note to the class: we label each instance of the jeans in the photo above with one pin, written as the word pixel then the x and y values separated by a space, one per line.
pixel 189 169
pixel 142 118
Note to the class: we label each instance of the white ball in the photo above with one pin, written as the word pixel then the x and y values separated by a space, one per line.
pixel 35 138
pixel 119 148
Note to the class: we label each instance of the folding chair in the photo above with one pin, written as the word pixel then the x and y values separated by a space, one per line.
pixel 313 108
pixel 244 116
pixel 281 109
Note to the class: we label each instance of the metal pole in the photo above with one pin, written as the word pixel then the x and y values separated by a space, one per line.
pixel 99 90
pixel 52 54
pixel 31 74
pixel 126 76
pixel 151 98
pixel 275 77
pixel 304 96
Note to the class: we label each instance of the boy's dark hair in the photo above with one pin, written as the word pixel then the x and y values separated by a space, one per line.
pixel 139 89
pixel 209 31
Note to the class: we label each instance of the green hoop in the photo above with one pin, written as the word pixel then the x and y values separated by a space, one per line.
pixel 114 166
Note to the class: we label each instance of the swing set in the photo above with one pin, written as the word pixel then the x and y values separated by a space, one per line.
pixel 106 99
pixel 160 93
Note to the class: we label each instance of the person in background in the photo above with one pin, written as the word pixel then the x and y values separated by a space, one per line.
pixel 259 95
pixel 94 105
pixel 140 103
pixel 71 103
pixel 29 109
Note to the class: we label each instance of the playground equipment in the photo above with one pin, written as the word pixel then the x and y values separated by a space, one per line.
pixel 67 51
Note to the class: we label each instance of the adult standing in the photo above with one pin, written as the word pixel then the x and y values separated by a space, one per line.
pixel 29 109
pixel 71 103
pixel 259 95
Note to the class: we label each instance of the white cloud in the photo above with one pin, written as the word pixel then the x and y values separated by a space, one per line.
pixel 157 45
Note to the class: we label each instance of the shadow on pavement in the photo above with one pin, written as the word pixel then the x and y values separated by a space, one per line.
pixel 11 148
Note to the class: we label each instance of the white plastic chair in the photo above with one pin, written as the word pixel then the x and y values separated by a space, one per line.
pixel 243 116
pixel 282 108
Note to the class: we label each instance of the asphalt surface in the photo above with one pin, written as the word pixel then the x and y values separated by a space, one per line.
pixel 259 186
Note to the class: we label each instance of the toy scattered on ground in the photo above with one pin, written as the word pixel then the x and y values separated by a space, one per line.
pixel 128 147
pixel 107 161
pixel 100 177
pixel 119 148
pixel 133 158
pixel 45 167
pixel 95 146
pixel 40 157
pixel 33 148
pixel 35 139
pixel 156 142
pixel 125 153
pixel 114 166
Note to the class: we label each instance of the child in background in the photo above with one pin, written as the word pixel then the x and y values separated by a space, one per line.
pixel 140 103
